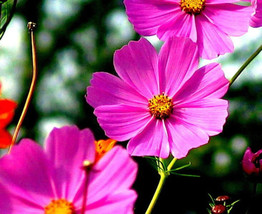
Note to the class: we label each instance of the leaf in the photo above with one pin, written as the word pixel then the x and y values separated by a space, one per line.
pixel 185 175
pixel 181 167
pixel 7 9
pixel 210 196
pixel 156 163
pixel 152 162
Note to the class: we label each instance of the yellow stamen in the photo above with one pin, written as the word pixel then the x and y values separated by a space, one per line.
pixel 161 106
pixel 60 206
pixel 192 6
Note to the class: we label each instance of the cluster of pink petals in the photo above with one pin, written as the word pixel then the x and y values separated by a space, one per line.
pixel 252 163
pixel 30 177
pixel 210 29
pixel 256 19
pixel 121 104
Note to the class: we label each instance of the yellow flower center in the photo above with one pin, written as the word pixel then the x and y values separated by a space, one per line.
pixel 60 206
pixel 161 106
pixel 192 6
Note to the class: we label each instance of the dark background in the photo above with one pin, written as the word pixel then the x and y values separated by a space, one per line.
pixel 77 38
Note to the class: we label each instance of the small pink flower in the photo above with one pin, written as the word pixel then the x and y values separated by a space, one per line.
pixel 52 180
pixel 209 23
pixel 252 163
pixel 161 101
pixel 256 19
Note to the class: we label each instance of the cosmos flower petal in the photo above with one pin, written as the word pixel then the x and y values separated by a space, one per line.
pixel 146 16
pixel 207 82
pixel 19 204
pixel 181 25
pixel 152 141
pixel 184 137
pixel 120 202
pixel 217 2
pixel 136 64
pixel 230 18
pixel 178 59
pixel 210 36
pixel 201 114
pixel 20 170
pixel 107 88
pixel 106 184
pixel 256 19
pixel 187 89
pixel 247 164
pixel 210 28
pixel 63 143
pixel 122 122
pixel 6 201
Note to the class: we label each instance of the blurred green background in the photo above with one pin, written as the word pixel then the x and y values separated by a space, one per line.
pixel 78 37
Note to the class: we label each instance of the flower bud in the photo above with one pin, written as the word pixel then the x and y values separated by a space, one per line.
pixel 222 198
pixel 219 209
pixel 252 163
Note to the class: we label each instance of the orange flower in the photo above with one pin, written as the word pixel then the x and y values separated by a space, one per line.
pixel 7 110
pixel 103 146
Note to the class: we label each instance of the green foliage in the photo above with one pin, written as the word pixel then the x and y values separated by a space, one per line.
pixel 7 9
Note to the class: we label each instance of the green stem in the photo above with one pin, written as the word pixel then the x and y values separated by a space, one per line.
pixel 163 176
pixel 171 164
pixel 157 192
pixel 250 59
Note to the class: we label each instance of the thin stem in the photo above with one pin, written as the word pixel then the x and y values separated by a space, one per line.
pixel 250 59
pixel 31 27
pixel 85 194
pixel 87 167
pixel 171 164
pixel 157 192
pixel 163 176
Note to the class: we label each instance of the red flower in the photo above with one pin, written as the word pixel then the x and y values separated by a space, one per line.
pixel 7 110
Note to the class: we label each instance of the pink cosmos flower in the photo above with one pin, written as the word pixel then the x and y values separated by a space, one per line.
pixel 209 23
pixel 53 180
pixel 256 19
pixel 159 101
pixel 252 163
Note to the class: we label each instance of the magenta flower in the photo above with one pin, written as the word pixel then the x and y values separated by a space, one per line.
pixel 159 101
pixel 256 19
pixel 252 163
pixel 53 180
pixel 209 23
